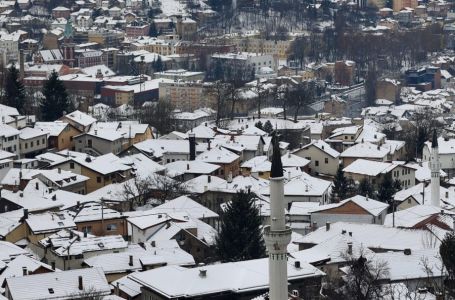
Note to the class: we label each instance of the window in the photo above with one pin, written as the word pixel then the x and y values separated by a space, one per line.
pixel 316 163
pixel 71 165
pixel 326 160
pixel 409 201
pixel 31 144
pixel 87 229
pixel 51 290
pixel 111 227
pixel 37 142
pixel 26 145
pixel 98 179
pixel 89 142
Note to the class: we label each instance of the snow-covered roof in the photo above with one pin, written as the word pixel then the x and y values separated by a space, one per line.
pixel 370 167
pixel 377 236
pixel 62 284
pixel 191 167
pixel 365 150
pixel 49 222
pixel 323 146
pixel 292 160
pixel 371 206
pixel 52 128
pixel 410 217
pixel 80 118
pixel 186 205
pixel 218 155
pixel 232 277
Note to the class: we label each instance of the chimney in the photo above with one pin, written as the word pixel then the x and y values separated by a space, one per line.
pixel 25 214
pixel 153 244
pixel 297 264
pixel 349 248
pixel 202 272
pixel 24 271
pixel 327 226
pixel 81 284
pixel 192 140
pixel 131 261
pixel 350 233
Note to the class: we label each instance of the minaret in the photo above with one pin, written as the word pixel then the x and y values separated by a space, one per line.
pixel 435 167
pixel 277 235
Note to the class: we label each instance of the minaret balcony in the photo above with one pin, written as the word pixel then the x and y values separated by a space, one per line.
pixel 277 241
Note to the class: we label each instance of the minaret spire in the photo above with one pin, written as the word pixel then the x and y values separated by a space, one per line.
pixel 277 235
pixel 435 167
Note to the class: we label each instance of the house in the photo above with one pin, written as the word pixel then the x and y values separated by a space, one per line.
pixel 222 280
pixel 364 151
pixel 344 137
pixel 323 158
pixel 228 161
pixel 420 194
pixel 421 217
pixel 39 226
pixel 118 265
pixel 374 172
pixel 9 139
pixel 99 142
pixel 78 119
pixel 69 248
pixel 190 169
pixel 99 220
pixel 192 208
pixel 73 284
pixel 377 238
pixel 55 179
pixel 23 265
pixel 60 134
pixel 101 171
pixel 446 149
pixel 163 150
pixel 32 141
pixel 146 224
pixel 356 209
pixel 304 188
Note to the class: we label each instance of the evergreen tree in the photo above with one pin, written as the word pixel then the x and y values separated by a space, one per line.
pixel 240 236
pixel 55 101
pixel 14 89
pixel 152 31
pixel 259 125
pixel 158 64
pixel 340 186
pixel 365 188
pixel 268 127
pixel 447 252
pixel 386 189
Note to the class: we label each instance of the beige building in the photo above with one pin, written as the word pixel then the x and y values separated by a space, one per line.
pixel 187 96
pixel 400 4
pixel 263 46
pixel 324 159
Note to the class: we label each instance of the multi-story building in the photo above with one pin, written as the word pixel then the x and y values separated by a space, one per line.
pixel 32 141
pixel 187 96
pixel 263 46
pixel 9 139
